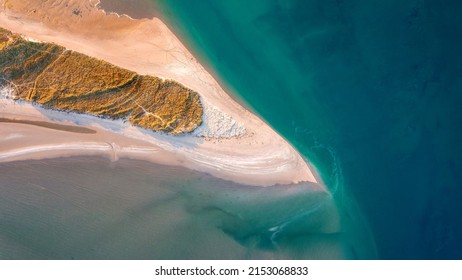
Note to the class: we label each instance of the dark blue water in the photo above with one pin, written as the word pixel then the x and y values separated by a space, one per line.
pixel 369 91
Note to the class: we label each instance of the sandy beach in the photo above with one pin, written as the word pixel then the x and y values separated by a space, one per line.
pixel 232 143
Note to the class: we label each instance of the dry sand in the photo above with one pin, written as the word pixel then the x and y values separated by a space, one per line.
pixel 232 144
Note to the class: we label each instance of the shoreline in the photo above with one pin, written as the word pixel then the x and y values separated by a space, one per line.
pixel 208 68
pixel 147 11
pixel 259 156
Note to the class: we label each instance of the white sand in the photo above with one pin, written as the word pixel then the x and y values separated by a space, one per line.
pixel 232 144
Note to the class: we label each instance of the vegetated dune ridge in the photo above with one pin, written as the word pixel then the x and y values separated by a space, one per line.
pixel 62 79
pixel 231 143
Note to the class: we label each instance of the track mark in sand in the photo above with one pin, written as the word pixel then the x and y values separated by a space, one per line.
pixel 62 127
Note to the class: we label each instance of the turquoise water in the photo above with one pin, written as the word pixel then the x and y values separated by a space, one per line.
pixel 369 91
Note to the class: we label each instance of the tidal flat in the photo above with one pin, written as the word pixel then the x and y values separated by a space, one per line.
pixel 94 208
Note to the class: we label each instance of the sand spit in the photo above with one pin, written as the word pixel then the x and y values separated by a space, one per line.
pixel 232 143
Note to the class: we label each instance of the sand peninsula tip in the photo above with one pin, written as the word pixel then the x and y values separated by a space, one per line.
pixel 231 143
pixel 57 78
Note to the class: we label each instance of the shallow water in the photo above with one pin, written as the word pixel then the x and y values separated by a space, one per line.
pixel 92 208
pixel 136 9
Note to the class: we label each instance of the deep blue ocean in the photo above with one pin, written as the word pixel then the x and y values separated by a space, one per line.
pixel 369 91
